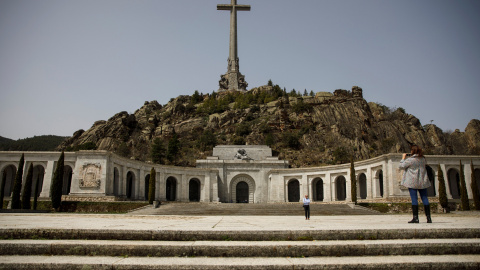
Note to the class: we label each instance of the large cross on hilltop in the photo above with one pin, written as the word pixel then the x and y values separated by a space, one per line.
pixel 233 79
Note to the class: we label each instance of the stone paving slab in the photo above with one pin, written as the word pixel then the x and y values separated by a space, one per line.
pixel 234 223
pixel 365 262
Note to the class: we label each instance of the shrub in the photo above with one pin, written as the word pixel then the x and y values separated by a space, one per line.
pixel 151 186
pixel 27 188
pixel 57 184
pixel 353 182
pixel 17 184
pixel 473 185
pixel 243 129
pixel 442 193
pixel 291 140
pixel 2 187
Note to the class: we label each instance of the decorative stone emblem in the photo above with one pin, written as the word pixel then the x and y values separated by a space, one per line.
pixel 242 154
pixel 91 174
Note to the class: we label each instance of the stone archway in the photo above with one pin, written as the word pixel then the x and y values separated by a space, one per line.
pixel 67 179
pixel 454 183
pixel 379 179
pixel 194 190
pixel 116 182
pixel 362 185
pixel 341 188
pixel 317 189
pixel 431 177
pixel 147 186
pixel 171 189
pixel 8 173
pixel 236 186
pixel 38 175
pixel 293 187
pixel 130 190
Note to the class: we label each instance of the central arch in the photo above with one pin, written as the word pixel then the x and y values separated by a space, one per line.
pixel 242 189
pixel 293 190
pixel 194 190
pixel 341 188
pixel 317 189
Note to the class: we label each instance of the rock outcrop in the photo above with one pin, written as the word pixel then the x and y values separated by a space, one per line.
pixel 325 128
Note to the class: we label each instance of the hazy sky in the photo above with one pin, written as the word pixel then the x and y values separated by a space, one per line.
pixel 66 64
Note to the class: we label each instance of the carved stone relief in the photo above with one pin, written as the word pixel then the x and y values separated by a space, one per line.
pixel 91 175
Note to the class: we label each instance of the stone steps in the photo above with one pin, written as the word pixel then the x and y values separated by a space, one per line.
pixel 240 248
pixel 245 209
pixel 447 262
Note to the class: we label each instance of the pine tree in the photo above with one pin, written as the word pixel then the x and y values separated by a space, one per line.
pixel 35 194
pixel 463 190
pixel 353 182
pixel 2 187
pixel 157 151
pixel 442 191
pixel 151 186
pixel 473 185
pixel 173 148
pixel 57 184
pixel 17 184
pixel 27 188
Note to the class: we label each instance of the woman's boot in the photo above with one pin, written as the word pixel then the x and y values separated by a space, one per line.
pixel 427 213
pixel 415 214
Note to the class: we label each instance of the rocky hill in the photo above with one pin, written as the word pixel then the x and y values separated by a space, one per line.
pixel 307 130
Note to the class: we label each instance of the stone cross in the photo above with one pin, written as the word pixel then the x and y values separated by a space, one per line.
pixel 233 79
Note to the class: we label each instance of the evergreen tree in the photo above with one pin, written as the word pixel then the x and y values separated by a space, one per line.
pixel 2 187
pixel 270 83
pixel 35 193
pixel 473 185
pixel 57 183
pixel 305 93
pixel 442 191
pixel 17 184
pixel 27 188
pixel 311 93
pixel 207 139
pixel 463 190
pixel 353 181
pixel 151 186
pixel 173 148
pixel 157 151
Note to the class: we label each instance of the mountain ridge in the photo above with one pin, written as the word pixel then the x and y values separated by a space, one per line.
pixel 308 130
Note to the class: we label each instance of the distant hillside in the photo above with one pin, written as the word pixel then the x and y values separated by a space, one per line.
pixel 37 143
pixel 308 129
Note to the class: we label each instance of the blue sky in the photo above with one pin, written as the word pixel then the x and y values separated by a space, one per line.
pixel 66 64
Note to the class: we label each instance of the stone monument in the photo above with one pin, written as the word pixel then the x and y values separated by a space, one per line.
pixel 233 79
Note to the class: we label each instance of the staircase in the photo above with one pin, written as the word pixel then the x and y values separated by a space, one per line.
pixel 251 209
pixel 240 249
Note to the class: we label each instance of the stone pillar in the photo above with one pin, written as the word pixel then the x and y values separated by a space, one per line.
pixel 369 183
pixel 141 185
pixel 327 188
pixel 47 179
pixel 162 186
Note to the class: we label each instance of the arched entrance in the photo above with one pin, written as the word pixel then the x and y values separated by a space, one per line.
pixel 8 174
pixel 341 188
pixel 379 183
pixel 362 185
pixel 67 179
pixel 431 177
pixel 171 189
pixel 454 183
pixel 242 192
pixel 38 174
pixel 293 190
pixel 194 190
pixel 317 189
pixel 477 178
pixel 130 185
pixel 147 186
pixel 116 182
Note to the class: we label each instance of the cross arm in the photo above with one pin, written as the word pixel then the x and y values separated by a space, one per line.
pixel 237 7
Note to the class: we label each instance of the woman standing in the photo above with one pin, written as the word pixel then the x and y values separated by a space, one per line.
pixel 306 206
pixel 415 178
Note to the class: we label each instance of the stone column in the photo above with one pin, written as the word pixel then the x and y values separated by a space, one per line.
pixel 47 179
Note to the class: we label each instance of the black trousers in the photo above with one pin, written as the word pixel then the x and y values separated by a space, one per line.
pixel 307 211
